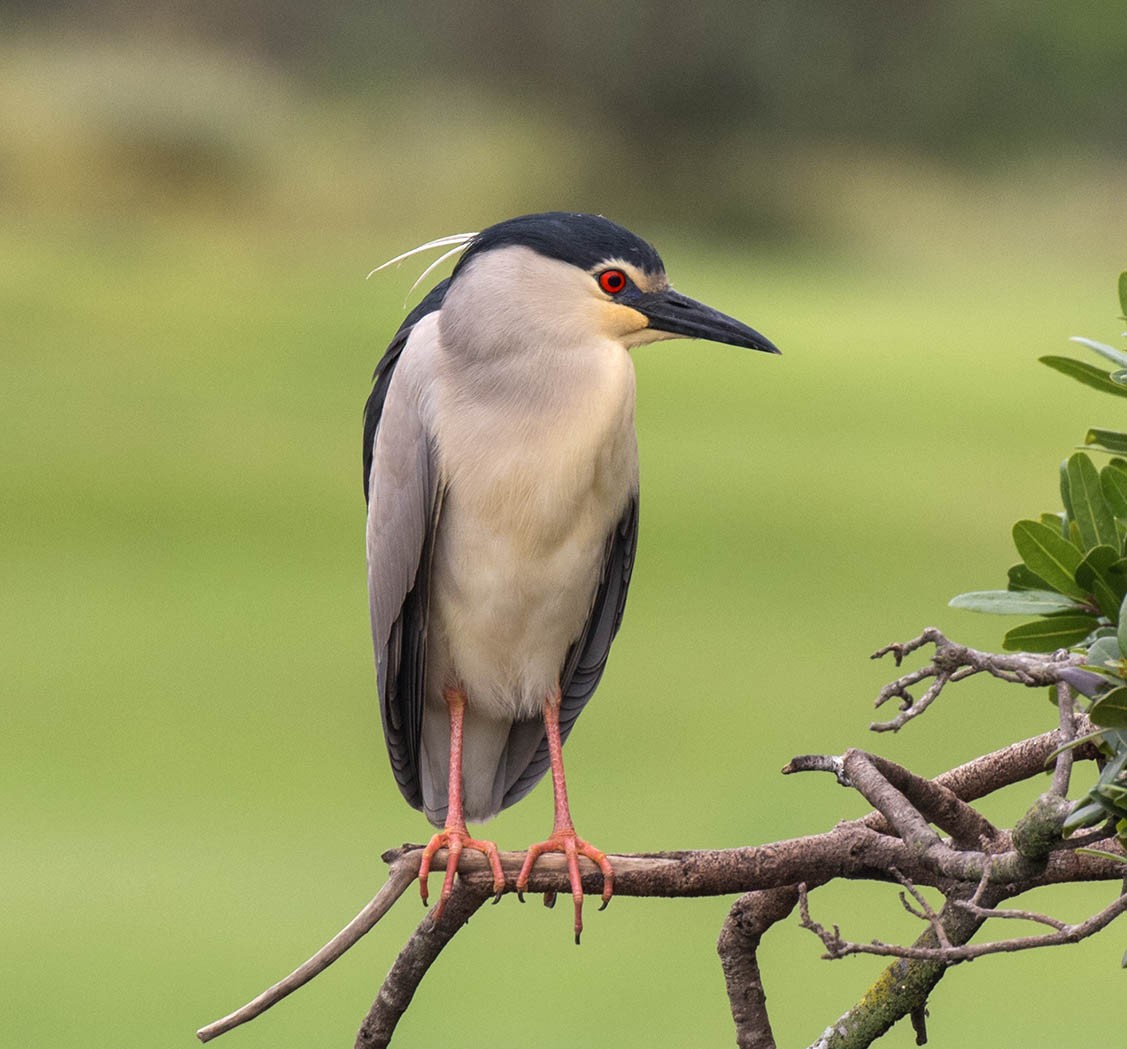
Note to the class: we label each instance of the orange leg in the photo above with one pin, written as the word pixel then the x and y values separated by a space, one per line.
pixel 563 837
pixel 454 837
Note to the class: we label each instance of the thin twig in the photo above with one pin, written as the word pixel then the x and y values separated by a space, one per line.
pixel 980 890
pixel 1008 912
pixel 836 947
pixel 926 912
pixel 400 876
pixel 954 662
pixel 900 649
pixel 904 987
pixel 1062 772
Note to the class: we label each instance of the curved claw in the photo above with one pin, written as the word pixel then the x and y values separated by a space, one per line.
pixel 436 842
pixel 572 846
pixel 455 840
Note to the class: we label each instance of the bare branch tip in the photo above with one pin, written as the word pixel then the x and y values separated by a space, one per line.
pixel 831 763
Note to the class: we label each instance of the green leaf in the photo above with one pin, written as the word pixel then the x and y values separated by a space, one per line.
pixel 1084 815
pixel 1016 602
pixel 1113 484
pixel 1021 578
pixel 1110 711
pixel 1086 373
pixel 1123 293
pixel 1049 555
pixel 1116 794
pixel 1100 575
pixel 1109 440
pixel 1070 745
pixel 1106 598
pixel 1109 805
pixel 1074 535
pixel 1047 635
pixel 1098 562
pixel 1059 522
pixel 1089 510
pixel 1103 651
pixel 1116 575
pixel 1110 352
pixel 1065 500
pixel 1121 632
pixel 1102 855
pixel 1113 742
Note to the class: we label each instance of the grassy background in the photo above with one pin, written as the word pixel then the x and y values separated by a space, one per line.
pixel 196 789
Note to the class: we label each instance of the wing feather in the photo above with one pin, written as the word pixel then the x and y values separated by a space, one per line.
pixel 402 489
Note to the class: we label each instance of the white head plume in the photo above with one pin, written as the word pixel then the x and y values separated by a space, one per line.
pixel 459 240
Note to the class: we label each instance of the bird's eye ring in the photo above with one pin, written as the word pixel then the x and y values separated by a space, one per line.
pixel 612 281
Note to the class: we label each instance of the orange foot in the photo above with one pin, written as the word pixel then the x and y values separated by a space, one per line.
pixel 572 846
pixel 454 840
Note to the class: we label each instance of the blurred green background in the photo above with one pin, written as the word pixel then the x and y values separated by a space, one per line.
pixel 913 201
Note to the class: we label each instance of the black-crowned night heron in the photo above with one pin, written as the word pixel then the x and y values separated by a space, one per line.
pixel 501 469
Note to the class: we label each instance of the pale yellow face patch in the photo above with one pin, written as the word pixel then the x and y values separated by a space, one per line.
pixel 619 320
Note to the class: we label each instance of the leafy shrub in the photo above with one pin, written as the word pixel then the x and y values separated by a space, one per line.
pixel 1073 576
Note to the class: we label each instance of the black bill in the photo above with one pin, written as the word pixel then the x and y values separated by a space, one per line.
pixel 677 314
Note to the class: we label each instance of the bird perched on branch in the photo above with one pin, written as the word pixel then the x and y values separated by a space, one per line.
pixel 501 472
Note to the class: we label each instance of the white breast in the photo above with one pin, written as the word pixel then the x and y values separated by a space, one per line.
pixel 532 492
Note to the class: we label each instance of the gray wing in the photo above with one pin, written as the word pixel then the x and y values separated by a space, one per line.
pixel 527 751
pixel 401 483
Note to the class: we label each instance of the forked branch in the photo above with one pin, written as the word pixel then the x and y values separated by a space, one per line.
pixel 949 953
pixel 922 833
pixel 955 662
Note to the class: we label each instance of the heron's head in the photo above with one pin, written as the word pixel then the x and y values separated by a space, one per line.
pixel 561 276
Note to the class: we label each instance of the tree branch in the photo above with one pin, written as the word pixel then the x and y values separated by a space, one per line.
pixel 936 802
pixel 954 662
pixel 902 989
pixel 416 957
pixel 861 849
pixel 1062 772
pixel 952 953
pixel 977 869
pixel 750 917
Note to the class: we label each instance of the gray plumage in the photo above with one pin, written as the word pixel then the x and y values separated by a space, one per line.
pixel 501 470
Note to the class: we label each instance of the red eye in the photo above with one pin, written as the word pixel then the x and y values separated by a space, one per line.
pixel 612 281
